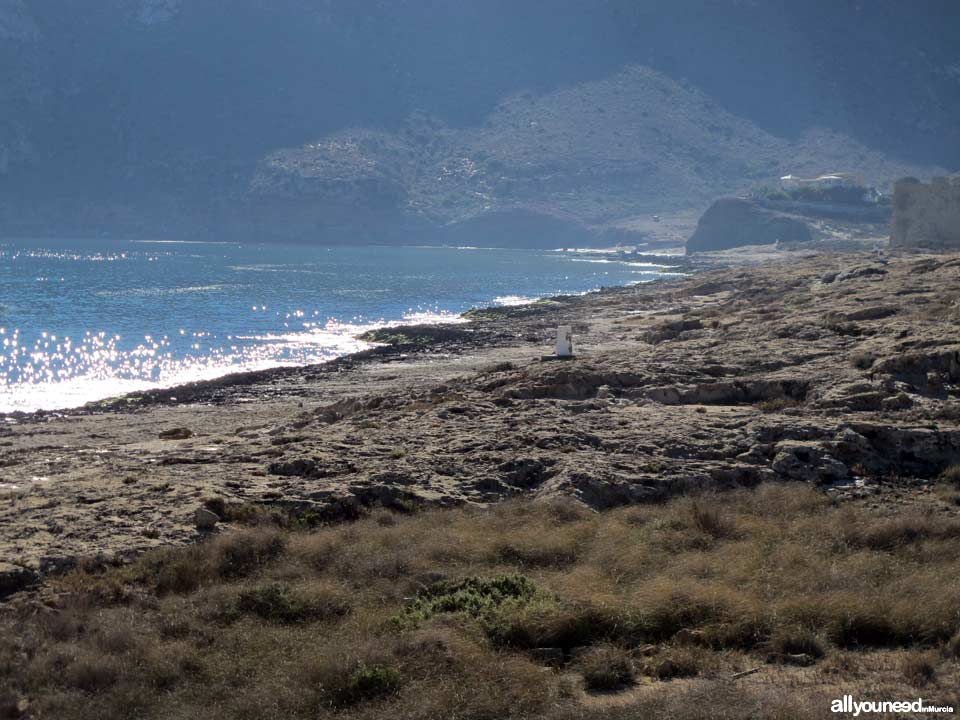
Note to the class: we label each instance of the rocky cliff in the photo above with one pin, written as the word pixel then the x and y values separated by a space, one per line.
pixel 736 222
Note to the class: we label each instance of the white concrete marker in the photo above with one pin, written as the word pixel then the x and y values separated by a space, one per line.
pixel 564 341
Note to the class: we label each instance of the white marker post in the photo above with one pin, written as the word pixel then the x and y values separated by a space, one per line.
pixel 564 341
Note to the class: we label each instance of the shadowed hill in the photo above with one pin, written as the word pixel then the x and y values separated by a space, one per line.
pixel 637 142
pixel 161 116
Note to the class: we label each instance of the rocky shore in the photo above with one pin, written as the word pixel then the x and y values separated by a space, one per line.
pixel 835 370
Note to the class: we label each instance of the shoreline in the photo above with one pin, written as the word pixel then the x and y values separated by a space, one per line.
pixel 729 377
pixel 196 388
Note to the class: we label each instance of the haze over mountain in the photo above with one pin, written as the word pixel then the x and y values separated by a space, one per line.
pixel 410 121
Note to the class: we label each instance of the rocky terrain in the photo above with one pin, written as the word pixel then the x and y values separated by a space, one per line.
pixel 828 369
pixel 399 122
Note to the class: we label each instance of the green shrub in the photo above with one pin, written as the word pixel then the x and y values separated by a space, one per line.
pixel 474 596
pixel 344 687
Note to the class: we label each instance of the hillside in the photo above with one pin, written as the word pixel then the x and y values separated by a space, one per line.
pixel 377 121
pixel 635 143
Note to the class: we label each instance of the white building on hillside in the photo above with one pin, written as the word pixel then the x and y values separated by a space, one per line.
pixel 829 180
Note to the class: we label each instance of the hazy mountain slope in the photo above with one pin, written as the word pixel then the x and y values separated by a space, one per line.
pixel 133 116
pixel 596 152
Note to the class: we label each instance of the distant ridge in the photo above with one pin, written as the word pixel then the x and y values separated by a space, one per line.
pixel 637 142
pixel 366 122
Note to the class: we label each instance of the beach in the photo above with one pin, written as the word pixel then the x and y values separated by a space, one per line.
pixel 729 377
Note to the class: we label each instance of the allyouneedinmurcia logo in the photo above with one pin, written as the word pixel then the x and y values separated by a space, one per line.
pixel 847 704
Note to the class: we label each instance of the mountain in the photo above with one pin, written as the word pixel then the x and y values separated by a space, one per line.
pixel 422 120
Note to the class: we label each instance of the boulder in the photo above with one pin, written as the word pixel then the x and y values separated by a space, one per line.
pixel 671 329
pixel 900 401
pixel 523 472
pixel 176 434
pixel 205 519
pixel 809 462
pixel 736 222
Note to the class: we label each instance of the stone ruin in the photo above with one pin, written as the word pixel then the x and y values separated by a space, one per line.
pixel 926 215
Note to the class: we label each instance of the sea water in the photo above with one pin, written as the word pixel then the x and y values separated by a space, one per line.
pixel 84 320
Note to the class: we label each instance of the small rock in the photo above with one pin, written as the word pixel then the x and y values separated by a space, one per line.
pixel 853 440
pixel 302 467
pixel 936 382
pixel 901 401
pixel 204 519
pixel 872 313
pixel 799 659
pixel 176 434
pixel 859 272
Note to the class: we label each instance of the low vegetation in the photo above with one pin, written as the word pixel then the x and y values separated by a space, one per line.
pixel 949 487
pixel 841 195
pixel 521 610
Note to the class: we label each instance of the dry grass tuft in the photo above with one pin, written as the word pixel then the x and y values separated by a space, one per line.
pixel 439 614
pixel 681 662
pixel 919 668
pixel 710 521
pixel 903 530
pixel 951 476
pixel 606 667
pixel 278 602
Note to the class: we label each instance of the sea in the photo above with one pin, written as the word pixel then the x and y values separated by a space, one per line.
pixel 86 320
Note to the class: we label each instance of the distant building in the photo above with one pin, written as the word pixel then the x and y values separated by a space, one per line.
pixel 926 215
pixel 829 180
